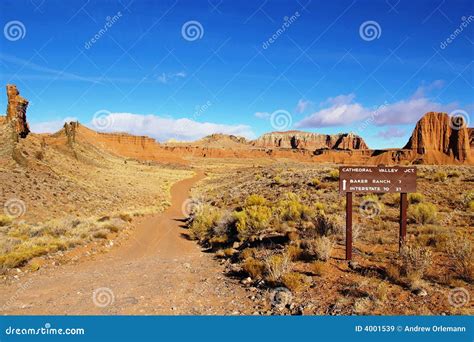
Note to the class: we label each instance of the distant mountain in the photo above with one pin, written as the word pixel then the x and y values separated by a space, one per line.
pixel 310 141
pixel 436 139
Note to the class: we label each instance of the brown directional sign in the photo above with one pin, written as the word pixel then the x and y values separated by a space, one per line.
pixel 373 179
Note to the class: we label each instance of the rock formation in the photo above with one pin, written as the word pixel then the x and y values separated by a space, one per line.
pixel 16 111
pixel 310 141
pixel 434 133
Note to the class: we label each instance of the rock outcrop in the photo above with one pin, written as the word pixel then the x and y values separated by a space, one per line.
pixel 310 141
pixel 16 111
pixel 434 133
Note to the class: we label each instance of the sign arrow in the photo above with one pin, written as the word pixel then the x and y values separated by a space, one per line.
pixel 344 184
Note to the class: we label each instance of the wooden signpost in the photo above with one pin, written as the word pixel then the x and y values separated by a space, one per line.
pixel 376 179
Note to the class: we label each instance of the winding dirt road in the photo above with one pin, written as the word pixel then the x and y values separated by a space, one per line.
pixel 156 271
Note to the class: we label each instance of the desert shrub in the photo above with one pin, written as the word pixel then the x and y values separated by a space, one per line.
pixel 294 281
pixel 248 253
pixel 255 200
pixel 125 217
pixel 315 182
pixel 460 251
pixel 422 213
pixel 391 199
pixel 440 176
pixel 415 198
pixel 276 266
pixel 253 218
pixel 5 220
pixel 381 291
pixel 294 252
pixel 468 200
pixel 205 219
pixel 319 208
pixel 333 175
pixel 454 174
pixel 328 225
pixel 319 248
pixel 470 205
pixel 291 208
pixel 254 268
pixel 318 268
pixel 278 180
pixel 100 234
pixel 415 260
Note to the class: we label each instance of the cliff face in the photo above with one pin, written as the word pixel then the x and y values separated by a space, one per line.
pixel 433 134
pixel 310 141
pixel 16 111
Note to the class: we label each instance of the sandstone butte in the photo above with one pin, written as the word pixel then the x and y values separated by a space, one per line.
pixel 435 140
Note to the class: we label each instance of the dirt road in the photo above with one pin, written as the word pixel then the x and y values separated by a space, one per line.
pixel 156 271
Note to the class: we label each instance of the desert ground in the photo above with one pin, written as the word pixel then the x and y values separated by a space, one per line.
pixel 111 223
pixel 261 237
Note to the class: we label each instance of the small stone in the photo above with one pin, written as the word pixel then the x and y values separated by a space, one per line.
pixel 246 281
pixel 420 292
pixel 353 265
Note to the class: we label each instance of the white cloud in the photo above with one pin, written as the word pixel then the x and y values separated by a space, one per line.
pixel 302 106
pixel 262 115
pixel 344 110
pixel 162 128
pixel 391 132
pixel 165 78
pixel 50 126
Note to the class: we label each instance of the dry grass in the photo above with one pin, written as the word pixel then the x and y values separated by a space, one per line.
pixel 437 211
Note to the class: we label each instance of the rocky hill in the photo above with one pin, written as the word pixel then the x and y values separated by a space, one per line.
pixel 310 141
pixel 434 141
pixel 436 138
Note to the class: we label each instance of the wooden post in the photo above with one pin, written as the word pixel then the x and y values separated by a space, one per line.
pixel 349 226
pixel 403 219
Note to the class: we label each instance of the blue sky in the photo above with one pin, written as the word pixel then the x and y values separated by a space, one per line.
pixel 184 69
